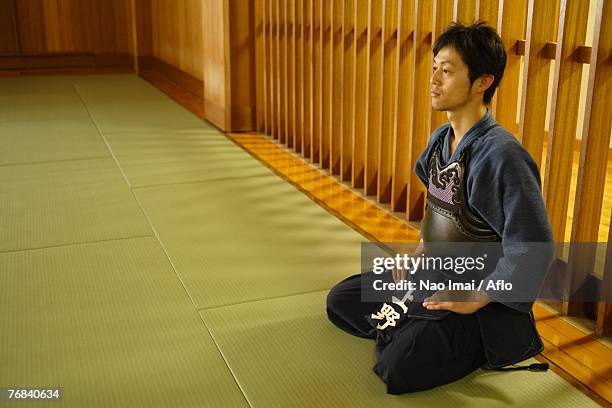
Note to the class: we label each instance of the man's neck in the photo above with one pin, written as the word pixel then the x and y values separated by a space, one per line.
pixel 463 120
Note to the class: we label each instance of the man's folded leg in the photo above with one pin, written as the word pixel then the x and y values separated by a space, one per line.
pixel 423 354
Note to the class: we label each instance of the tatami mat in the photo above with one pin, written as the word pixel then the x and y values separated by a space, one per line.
pixel 66 110
pixel 151 158
pixel 285 353
pixel 36 86
pixel 116 89
pixel 111 324
pixel 59 203
pixel 250 238
pixel 143 116
pixel 50 140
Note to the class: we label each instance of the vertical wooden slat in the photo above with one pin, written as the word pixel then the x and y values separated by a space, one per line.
pixel 564 114
pixel 259 66
pixel 389 112
pixel 486 10
pixel 327 109
pixel 317 82
pixel 375 97
pixel 348 118
pixel 308 79
pixel 442 17
pixel 282 67
pixel 299 76
pixel 338 82
pixel 290 49
pixel 419 102
pixel 536 72
pixel 402 134
pixel 511 26
pixel 593 152
pixel 266 67
pixel 361 92
pixel 273 69
pixel 464 11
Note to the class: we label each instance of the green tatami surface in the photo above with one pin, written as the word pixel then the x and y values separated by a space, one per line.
pixel 112 324
pixel 144 116
pixel 148 261
pixel 179 156
pixel 58 203
pixel 249 238
pixel 50 140
pixel 285 353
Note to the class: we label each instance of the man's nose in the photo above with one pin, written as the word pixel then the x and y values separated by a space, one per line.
pixel 435 78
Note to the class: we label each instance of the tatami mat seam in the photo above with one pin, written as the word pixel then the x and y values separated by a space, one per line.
pixel 252 301
pixel 174 269
pixel 198 181
pixel 55 161
pixel 71 244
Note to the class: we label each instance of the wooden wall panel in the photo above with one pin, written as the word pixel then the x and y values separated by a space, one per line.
pixel 114 34
pixel 419 121
pixel 32 27
pixel 362 96
pixel 487 10
pixel 273 68
pixel 260 79
pixel 282 69
pixel 375 96
pixel 72 33
pixel 267 65
pixel 564 114
pixel 216 71
pixel 535 76
pixel 327 61
pixel 389 105
pixel 144 33
pixel 291 82
pixel 464 11
pixel 317 85
pixel 177 33
pixel 308 94
pixel 402 131
pixel 9 38
pixel 348 118
pixel 299 76
pixel 442 17
pixel 338 81
pixel 240 60
pixel 511 26
pixel 67 26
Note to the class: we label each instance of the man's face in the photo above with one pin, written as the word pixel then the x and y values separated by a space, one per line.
pixel 450 87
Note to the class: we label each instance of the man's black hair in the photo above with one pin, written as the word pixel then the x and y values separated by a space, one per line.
pixel 480 48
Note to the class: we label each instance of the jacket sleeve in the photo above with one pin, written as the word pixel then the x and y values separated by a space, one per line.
pixel 504 188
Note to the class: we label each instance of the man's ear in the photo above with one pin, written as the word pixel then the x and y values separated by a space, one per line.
pixel 484 82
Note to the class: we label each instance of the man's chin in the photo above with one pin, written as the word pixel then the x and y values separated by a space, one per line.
pixel 438 108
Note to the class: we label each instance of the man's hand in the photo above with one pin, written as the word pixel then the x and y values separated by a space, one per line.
pixel 465 302
pixel 398 275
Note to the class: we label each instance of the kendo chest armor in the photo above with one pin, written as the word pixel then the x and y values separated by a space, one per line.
pixel 448 217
